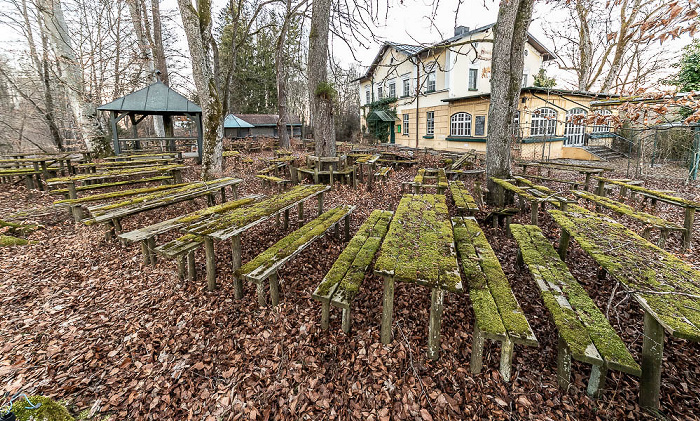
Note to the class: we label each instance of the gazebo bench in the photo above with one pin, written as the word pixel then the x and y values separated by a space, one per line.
pixel 342 282
pixel 498 314
pixel 583 330
pixel 266 264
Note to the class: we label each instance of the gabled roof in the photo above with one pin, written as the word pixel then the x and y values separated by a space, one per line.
pixel 256 120
pixel 538 90
pixel 412 50
pixel 156 98
pixel 233 122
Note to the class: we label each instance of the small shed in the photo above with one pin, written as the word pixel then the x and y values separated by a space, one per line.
pixel 242 125
pixel 154 99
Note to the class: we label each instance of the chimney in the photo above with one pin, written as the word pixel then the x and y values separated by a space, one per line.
pixel 461 30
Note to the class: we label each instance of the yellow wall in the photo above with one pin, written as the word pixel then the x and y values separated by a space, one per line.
pixel 578 153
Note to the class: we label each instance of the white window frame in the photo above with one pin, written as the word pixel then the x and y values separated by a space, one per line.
pixel 575 133
pixel 461 124
pixel 543 122
pixel 406 123
pixel 431 82
pixel 473 84
pixel 380 93
pixel 515 130
pixel 430 123
pixel 392 89
pixel 605 127
pixel 406 86
pixel 524 82
pixel 368 95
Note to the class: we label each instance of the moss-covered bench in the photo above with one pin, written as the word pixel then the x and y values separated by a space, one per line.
pixel 265 265
pixel 584 332
pixel 533 194
pixel 464 202
pixel 427 178
pixel 88 187
pixel 573 183
pixel 270 180
pixel 28 174
pixel 342 282
pixel 498 314
pixel 652 221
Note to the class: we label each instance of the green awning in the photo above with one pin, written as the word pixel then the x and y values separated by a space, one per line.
pixel 381 115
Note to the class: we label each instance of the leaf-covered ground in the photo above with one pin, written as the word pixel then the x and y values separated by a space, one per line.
pixel 83 320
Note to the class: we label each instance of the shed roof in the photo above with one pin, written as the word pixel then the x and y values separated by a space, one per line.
pixel 381 115
pixel 262 120
pixel 233 122
pixel 156 98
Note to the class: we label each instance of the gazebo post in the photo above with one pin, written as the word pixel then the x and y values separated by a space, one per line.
pixel 134 130
pixel 200 136
pixel 115 134
pixel 168 124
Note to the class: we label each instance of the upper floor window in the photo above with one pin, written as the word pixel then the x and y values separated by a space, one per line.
pixel 406 87
pixel 392 89
pixel 380 92
pixel 602 121
pixel 461 124
pixel 405 123
pixel 430 123
pixel 368 96
pixel 515 128
pixel 473 73
pixel 430 86
pixel 544 122
pixel 524 85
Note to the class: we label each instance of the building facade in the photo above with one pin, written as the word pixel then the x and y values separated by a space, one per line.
pixel 440 95
pixel 265 125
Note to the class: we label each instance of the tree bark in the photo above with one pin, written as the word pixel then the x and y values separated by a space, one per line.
pixel 158 49
pixel 585 46
pixel 197 24
pixel 83 109
pixel 510 34
pixel 321 94
pixel 281 75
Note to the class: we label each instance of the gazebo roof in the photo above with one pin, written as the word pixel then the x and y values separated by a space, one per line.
pixel 156 98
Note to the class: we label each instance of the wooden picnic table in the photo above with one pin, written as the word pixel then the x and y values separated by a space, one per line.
pixel 689 206
pixel 666 287
pixel 587 171
pixel 230 225
pixel 419 248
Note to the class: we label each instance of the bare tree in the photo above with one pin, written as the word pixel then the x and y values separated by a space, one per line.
pixel 510 35
pixel 321 93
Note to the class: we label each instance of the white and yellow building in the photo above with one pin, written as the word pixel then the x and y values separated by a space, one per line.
pixel 441 92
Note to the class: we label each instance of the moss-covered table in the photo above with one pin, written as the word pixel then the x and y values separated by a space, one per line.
pixel 689 206
pixel 230 225
pixel 666 288
pixel 586 170
pixel 529 192
pixel 419 248
pixel 428 178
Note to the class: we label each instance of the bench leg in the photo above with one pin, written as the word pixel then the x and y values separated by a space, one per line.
pixel 563 244
pixel 596 383
pixel 437 297
pixel 236 259
pixel 277 220
pixel 652 355
pixel 477 350
pixel 347 227
pixel 181 267
pixel 533 212
pixel 662 238
pixel 325 314
pixel 509 219
pixel 519 258
pixel 211 263
pixel 300 212
pixel 563 364
pixel 223 195
pixel 274 289
pixel 191 268
pixel 688 225
pixel 320 204
pixel 346 320
pixel 387 309
pixel 285 221
pixel 151 253
pixel 145 252
pixel 506 359
pixel 260 290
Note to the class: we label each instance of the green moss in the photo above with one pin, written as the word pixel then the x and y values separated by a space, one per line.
pixel 270 178
pixel 626 210
pixel 49 410
pixel 114 184
pixel 462 198
pixel 228 154
pixel 118 194
pixel 679 200
pixel 14 228
pixel 10 241
pixel 114 173
pixel 326 91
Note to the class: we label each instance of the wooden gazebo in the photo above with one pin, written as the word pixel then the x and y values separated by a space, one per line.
pixel 154 99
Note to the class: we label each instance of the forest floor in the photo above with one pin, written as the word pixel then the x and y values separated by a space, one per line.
pixel 84 321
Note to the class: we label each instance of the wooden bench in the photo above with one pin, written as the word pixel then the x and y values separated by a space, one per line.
pixel 164 179
pixel 28 174
pixel 535 195
pixel 574 184
pixel 342 282
pixel 147 235
pixel 428 178
pixel 583 330
pixel 269 180
pixel 464 202
pixel 498 314
pixel 652 221
pixel 266 264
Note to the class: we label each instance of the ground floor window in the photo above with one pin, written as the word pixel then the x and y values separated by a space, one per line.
pixel 461 124
pixel 575 129
pixel 405 124
pixel 544 122
pixel 430 123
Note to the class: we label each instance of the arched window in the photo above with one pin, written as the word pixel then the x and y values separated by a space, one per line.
pixel 575 127
pixel 461 124
pixel 602 121
pixel 543 122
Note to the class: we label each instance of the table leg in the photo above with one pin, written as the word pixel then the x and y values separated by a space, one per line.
pixel 588 181
pixel 563 243
pixel 533 212
pixel 236 259
pixel 563 364
pixel 437 297
pixel 387 309
pixel 274 289
pixel 320 204
pixel 285 221
pixel 325 314
pixel 652 355
pixel 300 212
pixel 688 225
pixel 506 358
pixel 191 268
pixel 478 340
pixel 211 263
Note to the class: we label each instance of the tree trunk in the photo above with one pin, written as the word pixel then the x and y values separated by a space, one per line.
pixel 197 24
pixel 510 34
pixel 321 93
pixel 281 75
pixel 158 50
pixel 83 109
pixel 585 47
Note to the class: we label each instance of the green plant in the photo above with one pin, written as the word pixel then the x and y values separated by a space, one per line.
pixel 544 81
